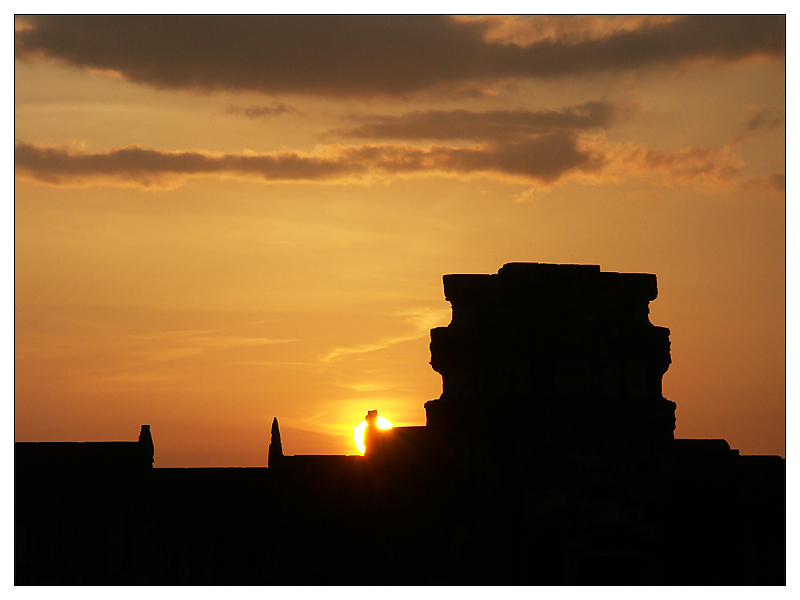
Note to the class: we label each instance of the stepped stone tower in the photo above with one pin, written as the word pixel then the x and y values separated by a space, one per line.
pixel 543 357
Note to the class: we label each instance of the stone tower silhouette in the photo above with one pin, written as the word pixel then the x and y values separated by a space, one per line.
pixel 547 360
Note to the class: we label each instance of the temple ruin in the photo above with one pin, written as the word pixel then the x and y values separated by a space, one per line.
pixel 539 358
pixel 548 459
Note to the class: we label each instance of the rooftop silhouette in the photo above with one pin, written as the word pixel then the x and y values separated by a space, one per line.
pixel 549 458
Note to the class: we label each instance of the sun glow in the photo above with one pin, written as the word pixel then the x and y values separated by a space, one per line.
pixel 361 428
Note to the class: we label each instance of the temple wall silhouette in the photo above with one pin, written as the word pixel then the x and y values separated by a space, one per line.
pixel 549 458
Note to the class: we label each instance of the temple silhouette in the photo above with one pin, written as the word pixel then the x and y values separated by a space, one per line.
pixel 548 459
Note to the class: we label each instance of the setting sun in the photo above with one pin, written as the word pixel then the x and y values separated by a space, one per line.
pixel 358 433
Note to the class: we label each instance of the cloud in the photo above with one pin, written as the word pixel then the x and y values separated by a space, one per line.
pixel 773 183
pixel 544 159
pixel 479 126
pixel 777 181
pixel 572 29
pixel 420 320
pixel 366 348
pixel 144 167
pixel 761 118
pixel 709 168
pixel 257 111
pixel 382 55
pixel 688 163
pixel 141 358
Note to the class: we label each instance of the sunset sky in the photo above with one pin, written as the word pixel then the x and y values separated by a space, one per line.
pixel 221 220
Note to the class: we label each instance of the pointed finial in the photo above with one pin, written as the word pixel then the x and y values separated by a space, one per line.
pixel 275 446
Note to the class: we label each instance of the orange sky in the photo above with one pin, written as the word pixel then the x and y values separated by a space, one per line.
pixel 226 219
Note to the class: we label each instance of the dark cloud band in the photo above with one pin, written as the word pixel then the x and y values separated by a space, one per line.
pixel 371 55
pixel 541 160
pixel 146 167
pixel 544 159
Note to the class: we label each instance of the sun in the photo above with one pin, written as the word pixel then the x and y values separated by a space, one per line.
pixel 358 433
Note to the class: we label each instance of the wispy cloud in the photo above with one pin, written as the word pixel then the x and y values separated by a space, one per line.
pixel 572 29
pixel 156 346
pixel 626 161
pixel 420 322
pixel 152 357
pixel 774 183
pixel 365 348
pixel 383 55
pixel 761 118
pixel 481 126
pixel 257 111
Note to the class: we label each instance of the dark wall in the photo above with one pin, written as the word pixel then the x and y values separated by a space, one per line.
pixel 711 518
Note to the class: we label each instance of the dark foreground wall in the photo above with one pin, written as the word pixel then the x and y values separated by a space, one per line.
pixel 716 518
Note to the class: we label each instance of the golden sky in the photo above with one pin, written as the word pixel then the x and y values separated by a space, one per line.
pixel 221 220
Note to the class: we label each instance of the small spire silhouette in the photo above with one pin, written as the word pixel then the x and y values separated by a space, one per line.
pixel 275 446
pixel 146 441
